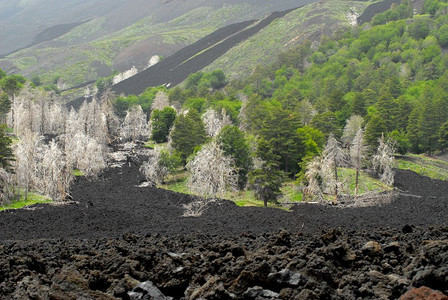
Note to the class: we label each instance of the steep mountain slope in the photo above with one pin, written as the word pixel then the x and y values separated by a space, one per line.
pixel 308 23
pixel 112 32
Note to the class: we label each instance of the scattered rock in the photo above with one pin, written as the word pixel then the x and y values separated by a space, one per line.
pixel 286 278
pixel 257 292
pixel 424 293
pixel 371 247
pixel 147 291
pixel 407 229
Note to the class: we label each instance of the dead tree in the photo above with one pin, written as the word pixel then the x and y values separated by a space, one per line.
pixel 313 178
pixel 354 124
pixel 383 162
pixel 212 172
pixel 135 126
pixel 357 151
pixel 333 157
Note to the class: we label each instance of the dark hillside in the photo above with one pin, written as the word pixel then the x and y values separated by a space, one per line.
pixel 177 67
pixel 374 9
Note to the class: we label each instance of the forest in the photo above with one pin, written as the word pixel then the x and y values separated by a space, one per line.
pixel 350 102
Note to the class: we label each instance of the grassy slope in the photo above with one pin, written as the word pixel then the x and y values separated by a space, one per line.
pixel 74 63
pixel 290 191
pixel 424 165
pixel 297 26
pixel 33 198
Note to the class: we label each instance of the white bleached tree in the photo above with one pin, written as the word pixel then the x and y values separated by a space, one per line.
pixel 214 122
pixel 159 166
pixel 85 154
pixel 53 177
pixel 357 154
pixel 160 101
pixel 125 75
pixel 306 111
pixel 353 125
pixel 383 161
pixel 212 172
pixel 135 126
pixel 26 153
pixel 313 178
pixel 333 157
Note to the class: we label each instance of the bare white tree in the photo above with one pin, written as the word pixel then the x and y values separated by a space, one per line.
pixel 242 117
pixel 212 172
pixel 354 124
pixel 96 123
pixel 86 154
pixel 25 165
pixel 313 175
pixel 135 126
pixel 112 121
pixel 383 161
pixel 57 116
pixel 155 59
pixel 158 166
pixel 357 153
pixel 53 177
pixel 160 101
pixel 197 207
pixel 333 157
pixel 214 122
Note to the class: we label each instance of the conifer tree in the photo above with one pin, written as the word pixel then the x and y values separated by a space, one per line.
pixel 188 133
pixel 232 141
pixel 161 123
pixel 266 179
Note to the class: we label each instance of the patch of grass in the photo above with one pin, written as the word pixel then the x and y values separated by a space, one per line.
pixel 151 144
pixel 33 198
pixel 366 182
pixel 77 172
pixel 178 183
pixel 291 192
pixel 424 165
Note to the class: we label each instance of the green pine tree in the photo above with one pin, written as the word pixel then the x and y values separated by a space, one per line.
pixel 233 143
pixel 162 121
pixel 188 133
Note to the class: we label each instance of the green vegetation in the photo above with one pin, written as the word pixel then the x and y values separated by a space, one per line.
pixel 392 76
pixel 368 183
pixel 162 122
pixel 33 198
pixel 188 133
pixel 285 33
pixel 424 165
pixel 77 172
pixel 81 48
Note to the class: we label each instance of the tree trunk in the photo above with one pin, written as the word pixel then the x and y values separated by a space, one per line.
pixel 336 192
pixel 356 182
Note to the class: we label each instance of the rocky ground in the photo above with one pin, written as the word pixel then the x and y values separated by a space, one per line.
pixel 121 239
